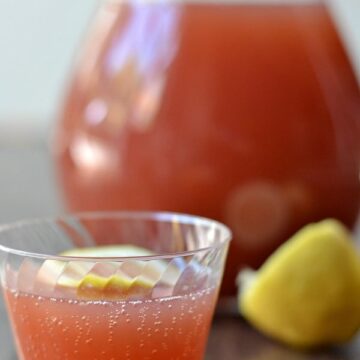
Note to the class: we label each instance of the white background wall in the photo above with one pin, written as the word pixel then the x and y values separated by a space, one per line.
pixel 38 39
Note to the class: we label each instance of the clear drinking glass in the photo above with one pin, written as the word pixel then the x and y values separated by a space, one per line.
pixel 156 304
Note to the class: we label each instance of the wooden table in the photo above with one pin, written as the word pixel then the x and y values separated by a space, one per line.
pixel 28 189
pixel 232 339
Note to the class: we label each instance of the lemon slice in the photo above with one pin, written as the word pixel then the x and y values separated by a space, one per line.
pixel 108 251
pixel 120 284
pixel 307 293
pixel 104 279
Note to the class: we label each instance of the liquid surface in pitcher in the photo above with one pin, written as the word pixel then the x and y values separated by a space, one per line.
pixel 244 113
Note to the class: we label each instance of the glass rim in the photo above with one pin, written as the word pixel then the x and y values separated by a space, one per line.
pixel 157 216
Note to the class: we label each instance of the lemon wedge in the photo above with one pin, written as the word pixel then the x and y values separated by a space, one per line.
pixel 113 280
pixel 307 294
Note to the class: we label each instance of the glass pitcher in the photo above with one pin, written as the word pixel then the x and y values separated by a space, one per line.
pixel 243 111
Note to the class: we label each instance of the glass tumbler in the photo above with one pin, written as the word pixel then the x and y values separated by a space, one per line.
pixel 148 292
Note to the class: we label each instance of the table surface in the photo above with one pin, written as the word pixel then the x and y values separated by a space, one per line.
pixel 28 189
